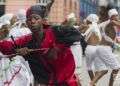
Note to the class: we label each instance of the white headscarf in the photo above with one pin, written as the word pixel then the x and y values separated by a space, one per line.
pixel 112 12
pixel 93 18
pixel 21 15
pixel 93 28
pixel 16 30
pixel 5 19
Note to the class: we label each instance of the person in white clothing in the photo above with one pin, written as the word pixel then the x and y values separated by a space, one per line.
pixel 20 28
pixel 6 21
pixel 104 51
pixel 93 38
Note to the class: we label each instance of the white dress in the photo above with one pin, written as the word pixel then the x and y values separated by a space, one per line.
pixel 15 72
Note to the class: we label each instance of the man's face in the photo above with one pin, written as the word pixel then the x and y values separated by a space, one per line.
pixel 115 17
pixel 34 22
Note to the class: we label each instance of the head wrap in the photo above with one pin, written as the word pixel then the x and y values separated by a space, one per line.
pixel 112 12
pixel 5 19
pixel 93 18
pixel 93 28
pixel 41 9
pixel 37 9
pixel 21 15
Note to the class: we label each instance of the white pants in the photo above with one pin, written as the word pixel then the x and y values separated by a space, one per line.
pixel 93 61
pixel 76 50
pixel 108 57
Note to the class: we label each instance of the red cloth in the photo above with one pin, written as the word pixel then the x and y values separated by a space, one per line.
pixel 63 67
pixel 7 45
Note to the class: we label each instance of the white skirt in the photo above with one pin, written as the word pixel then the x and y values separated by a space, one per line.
pixel 93 61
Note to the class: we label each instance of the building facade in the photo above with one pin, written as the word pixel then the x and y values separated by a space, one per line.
pixel 59 10
pixel 87 7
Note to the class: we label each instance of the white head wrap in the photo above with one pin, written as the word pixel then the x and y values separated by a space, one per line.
pixel 4 23
pixel 93 28
pixel 5 19
pixel 112 12
pixel 93 18
pixel 21 15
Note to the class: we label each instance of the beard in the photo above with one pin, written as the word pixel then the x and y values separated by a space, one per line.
pixel 36 27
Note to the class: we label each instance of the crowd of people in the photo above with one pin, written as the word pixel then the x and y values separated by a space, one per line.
pixel 36 53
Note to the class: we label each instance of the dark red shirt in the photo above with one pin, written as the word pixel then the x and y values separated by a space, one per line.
pixel 63 66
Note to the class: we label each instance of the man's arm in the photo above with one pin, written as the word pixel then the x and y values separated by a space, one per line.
pixel 83 28
pixel 104 24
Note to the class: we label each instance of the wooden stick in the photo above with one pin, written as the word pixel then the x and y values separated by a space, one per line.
pixel 30 50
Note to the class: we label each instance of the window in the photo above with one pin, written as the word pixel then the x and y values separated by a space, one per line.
pixel 2 7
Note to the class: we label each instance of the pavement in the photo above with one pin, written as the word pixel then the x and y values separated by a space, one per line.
pixel 103 81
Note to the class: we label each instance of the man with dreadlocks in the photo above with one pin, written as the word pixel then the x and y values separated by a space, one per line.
pixel 51 62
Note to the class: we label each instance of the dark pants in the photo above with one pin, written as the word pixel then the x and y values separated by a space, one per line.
pixel 41 75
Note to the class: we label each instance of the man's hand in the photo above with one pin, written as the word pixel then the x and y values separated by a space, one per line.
pixel 23 51
pixel 116 23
